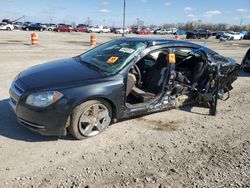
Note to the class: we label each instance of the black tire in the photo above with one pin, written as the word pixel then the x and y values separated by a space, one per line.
pixel 49 29
pixel 27 29
pixel 74 127
pixel 8 28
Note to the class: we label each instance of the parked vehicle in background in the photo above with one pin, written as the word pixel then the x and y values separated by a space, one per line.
pixel 160 32
pixel 247 36
pixel 232 35
pixel 43 25
pixel 198 33
pixel 214 33
pixel 171 31
pixel 136 30
pixel 51 27
pixel 144 32
pixel 6 26
pixel 81 28
pixel 243 33
pixel 94 29
pixel 237 36
pixel 8 21
pixel 105 29
pixel 64 28
pixel 120 31
pixel 33 27
pixel 98 29
pixel 61 25
pixel 18 25
pixel 180 32
pixel 219 34
pixel 27 23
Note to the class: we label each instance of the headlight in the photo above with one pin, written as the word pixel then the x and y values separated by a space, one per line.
pixel 43 99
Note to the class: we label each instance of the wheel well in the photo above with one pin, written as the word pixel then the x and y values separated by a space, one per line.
pixel 112 105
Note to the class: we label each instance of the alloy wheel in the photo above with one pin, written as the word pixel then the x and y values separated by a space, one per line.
pixel 94 120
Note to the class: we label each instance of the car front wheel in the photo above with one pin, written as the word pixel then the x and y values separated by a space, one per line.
pixel 90 119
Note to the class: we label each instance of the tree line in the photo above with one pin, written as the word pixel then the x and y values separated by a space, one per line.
pixel 189 26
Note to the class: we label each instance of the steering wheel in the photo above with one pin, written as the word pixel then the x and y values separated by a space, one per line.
pixel 137 75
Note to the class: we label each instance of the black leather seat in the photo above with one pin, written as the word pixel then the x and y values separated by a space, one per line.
pixel 155 76
pixel 154 80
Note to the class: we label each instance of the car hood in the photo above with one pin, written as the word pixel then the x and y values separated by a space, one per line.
pixel 58 73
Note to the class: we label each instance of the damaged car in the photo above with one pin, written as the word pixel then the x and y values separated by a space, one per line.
pixel 120 79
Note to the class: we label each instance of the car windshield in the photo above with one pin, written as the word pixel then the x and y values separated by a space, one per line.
pixel 112 56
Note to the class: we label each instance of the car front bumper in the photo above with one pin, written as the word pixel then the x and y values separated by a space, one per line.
pixel 51 121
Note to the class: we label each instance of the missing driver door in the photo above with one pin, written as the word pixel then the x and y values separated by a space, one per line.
pixel 147 78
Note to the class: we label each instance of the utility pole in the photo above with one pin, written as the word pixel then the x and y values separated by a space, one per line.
pixel 124 14
pixel 241 20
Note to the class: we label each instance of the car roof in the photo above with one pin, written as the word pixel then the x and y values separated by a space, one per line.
pixel 166 42
pixel 157 40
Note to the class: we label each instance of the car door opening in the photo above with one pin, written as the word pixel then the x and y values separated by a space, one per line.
pixel 146 78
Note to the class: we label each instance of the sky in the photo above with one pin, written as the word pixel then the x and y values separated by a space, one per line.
pixel 110 12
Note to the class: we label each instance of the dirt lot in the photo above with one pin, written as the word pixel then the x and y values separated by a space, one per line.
pixel 178 148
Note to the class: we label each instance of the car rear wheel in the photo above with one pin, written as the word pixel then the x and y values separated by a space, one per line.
pixel 90 119
pixel 8 28
pixel 27 29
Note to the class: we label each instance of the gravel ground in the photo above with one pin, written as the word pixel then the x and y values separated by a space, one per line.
pixel 178 148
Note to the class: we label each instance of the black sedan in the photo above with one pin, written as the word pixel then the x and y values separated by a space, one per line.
pixel 33 27
pixel 198 33
pixel 120 79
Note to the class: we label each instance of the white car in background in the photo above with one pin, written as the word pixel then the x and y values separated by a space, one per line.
pixel 233 35
pixel 6 26
pixel 98 29
pixel 120 31
pixel 106 29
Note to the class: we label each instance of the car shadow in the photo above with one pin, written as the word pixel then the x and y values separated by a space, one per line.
pixel 9 127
